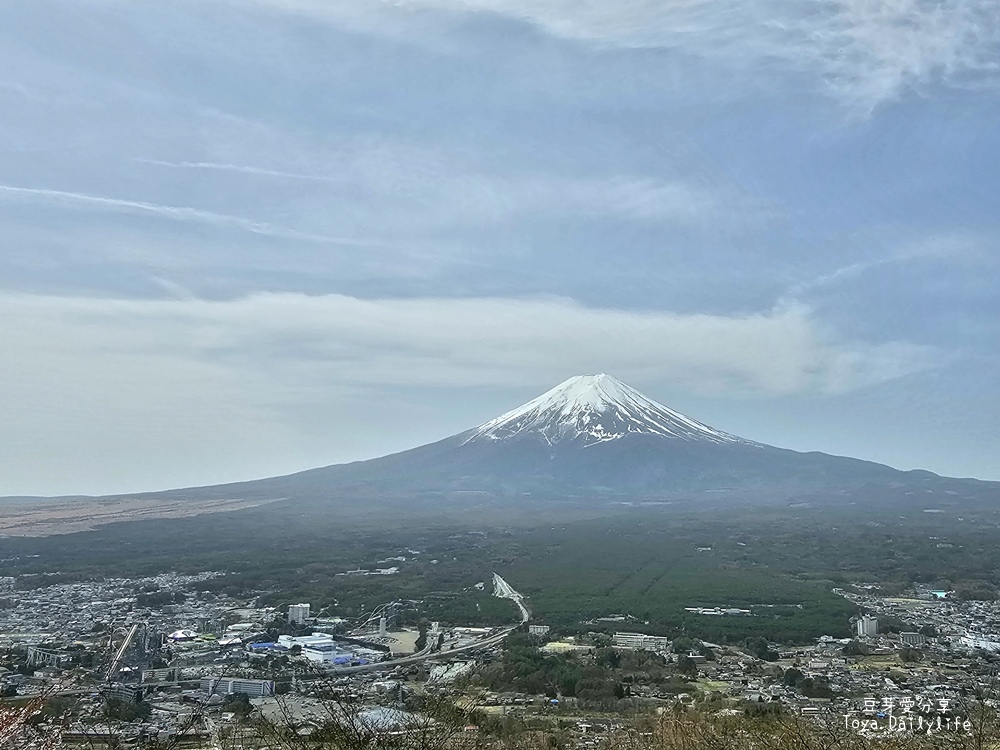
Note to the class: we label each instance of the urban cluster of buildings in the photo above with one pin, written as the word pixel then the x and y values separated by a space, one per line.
pixel 829 676
pixel 127 640
pixel 170 644
pixel 71 611
pixel 963 626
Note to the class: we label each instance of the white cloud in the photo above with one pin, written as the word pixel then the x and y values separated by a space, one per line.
pixel 864 51
pixel 109 394
pixel 453 342
pixel 874 48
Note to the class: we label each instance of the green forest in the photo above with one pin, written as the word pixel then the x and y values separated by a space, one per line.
pixel 643 565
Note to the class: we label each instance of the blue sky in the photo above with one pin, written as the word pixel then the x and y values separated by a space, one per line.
pixel 246 237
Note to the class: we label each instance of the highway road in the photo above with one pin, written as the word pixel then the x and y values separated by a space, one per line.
pixel 427 654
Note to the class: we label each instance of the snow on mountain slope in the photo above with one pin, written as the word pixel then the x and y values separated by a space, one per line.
pixel 592 409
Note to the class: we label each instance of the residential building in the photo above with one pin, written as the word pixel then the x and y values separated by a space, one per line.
pixel 227 686
pixel 298 614
pixel 866 626
pixel 641 640
pixel 912 639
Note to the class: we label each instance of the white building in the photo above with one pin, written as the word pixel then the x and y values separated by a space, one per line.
pixel 226 686
pixel 866 626
pixel 304 640
pixel 641 640
pixel 298 614
pixel 321 648
pixel 317 647
pixel 324 652
pixel 913 639
pixel 538 630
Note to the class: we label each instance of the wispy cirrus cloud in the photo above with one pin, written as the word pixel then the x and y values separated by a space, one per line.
pixel 431 187
pixel 239 169
pixel 180 213
pixel 15 88
pixel 958 248
pixel 864 52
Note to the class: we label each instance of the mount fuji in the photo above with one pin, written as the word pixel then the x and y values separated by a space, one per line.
pixel 589 437
pixel 591 409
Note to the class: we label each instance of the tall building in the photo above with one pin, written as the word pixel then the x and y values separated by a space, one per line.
pixel 866 626
pixel 298 614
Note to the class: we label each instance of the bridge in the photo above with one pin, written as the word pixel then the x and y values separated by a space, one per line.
pixel 501 590
pixel 38 656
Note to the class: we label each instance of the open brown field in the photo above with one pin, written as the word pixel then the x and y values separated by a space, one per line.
pixel 36 518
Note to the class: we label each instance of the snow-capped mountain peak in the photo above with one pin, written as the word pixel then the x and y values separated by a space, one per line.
pixel 596 409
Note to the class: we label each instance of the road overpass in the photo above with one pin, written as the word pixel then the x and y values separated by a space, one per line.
pixel 501 590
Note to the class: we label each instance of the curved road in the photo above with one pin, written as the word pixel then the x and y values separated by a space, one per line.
pixel 427 654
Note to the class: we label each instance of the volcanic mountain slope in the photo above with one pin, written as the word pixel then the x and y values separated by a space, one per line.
pixel 591 436
pixel 591 409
